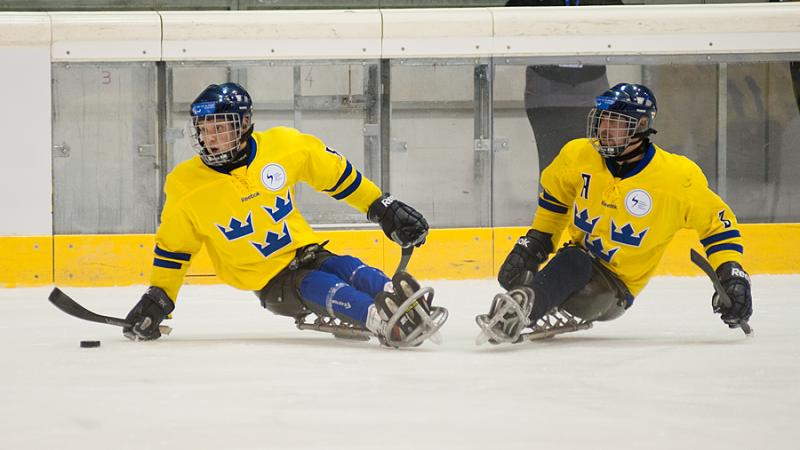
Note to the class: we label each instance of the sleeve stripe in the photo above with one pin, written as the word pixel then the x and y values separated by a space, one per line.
pixel 350 189
pixel 721 247
pixel 158 262
pixel 552 206
pixel 172 255
pixel 552 199
pixel 720 237
pixel 347 171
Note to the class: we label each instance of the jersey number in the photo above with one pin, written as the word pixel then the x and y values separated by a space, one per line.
pixel 725 222
pixel 585 190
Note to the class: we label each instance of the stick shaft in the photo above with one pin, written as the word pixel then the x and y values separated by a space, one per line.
pixel 705 266
pixel 405 257
pixel 65 303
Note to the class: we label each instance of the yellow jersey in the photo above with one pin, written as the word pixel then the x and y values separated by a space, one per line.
pixel 626 223
pixel 247 218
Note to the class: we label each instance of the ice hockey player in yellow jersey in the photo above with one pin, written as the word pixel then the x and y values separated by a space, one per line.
pixel 237 197
pixel 621 200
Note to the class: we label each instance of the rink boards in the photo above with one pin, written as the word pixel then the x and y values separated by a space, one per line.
pixel 458 253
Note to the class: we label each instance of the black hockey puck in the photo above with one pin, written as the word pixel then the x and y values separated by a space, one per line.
pixel 90 344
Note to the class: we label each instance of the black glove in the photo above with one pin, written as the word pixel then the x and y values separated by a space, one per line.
pixel 154 306
pixel 736 283
pixel 529 251
pixel 400 222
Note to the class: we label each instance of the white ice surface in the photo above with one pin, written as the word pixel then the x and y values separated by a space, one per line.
pixel 666 375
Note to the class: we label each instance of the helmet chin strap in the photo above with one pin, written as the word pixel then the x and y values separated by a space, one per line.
pixel 249 132
pixel 644 144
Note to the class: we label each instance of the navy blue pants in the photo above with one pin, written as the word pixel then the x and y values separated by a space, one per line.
pixel 579 284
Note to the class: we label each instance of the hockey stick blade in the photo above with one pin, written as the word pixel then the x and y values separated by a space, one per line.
pixel 65 303
pixel 705 266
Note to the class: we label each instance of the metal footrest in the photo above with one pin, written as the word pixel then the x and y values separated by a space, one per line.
pixel 503 304
pixel 432 321
pixel 556 322
pixel 339 329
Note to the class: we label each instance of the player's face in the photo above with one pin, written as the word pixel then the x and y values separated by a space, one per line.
pixel 219 135
pixel 612 131
pixel 634 142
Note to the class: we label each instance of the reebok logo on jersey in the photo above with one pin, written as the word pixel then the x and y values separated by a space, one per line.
pixel 523 241
pixel 608 205
pixel 251 196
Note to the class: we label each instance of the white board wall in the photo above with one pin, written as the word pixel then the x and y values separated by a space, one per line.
pixel 25 125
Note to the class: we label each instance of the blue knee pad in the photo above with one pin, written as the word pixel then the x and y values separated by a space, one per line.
pixel 335 296
pixel 355 273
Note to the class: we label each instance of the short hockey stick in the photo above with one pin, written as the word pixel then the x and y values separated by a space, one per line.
pixel 405 258
pixel 705 266
pixel 65 303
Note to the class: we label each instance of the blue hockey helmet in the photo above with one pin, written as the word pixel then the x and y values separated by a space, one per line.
pixel 221 119
pixel 622 114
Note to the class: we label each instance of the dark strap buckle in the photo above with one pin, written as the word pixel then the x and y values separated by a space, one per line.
pixel 306 255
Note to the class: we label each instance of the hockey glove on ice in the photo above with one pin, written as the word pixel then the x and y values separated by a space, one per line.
pixel 400 222
pixel 736 283
pixel 154 306
pixel 529 252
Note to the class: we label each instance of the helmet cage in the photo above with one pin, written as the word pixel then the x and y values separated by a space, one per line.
pixel 616 133
pixel 217 137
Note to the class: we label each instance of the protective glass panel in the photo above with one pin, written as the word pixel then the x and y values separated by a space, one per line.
pixel 334 101
pixel 515 175
pixel 687 120
pixel 763 137
pixel 540 107
pixel 440 161
pixel 105 156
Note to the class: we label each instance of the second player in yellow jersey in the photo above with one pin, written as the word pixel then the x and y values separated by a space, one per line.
pixel 620 199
